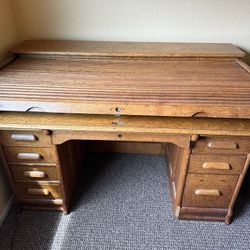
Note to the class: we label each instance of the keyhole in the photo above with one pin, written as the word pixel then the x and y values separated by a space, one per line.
pixel 117 109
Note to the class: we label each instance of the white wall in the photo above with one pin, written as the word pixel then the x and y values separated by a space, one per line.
pixel 136 20
pixel 8 37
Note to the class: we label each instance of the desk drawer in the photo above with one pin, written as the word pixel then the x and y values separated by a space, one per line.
pixel 29 190
pixel 222 145
pixel 209 191
pixel 216 164
pixel 35 173
pixel 27 154
pixel 25 138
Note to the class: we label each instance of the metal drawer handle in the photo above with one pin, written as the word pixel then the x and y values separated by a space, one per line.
pixel 23 137
pixel 222 145
pixel 216 165
pixel 38 191
pixel 29 156
pixel 207 192
pixel 35 174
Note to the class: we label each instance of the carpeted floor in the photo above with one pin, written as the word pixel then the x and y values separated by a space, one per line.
pixel 124 205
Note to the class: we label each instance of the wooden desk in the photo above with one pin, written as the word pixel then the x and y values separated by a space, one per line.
pixel 192 98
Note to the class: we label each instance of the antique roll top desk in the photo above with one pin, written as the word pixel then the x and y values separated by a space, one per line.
pixel 192 98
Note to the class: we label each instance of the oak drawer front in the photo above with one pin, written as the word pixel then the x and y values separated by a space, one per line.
pixel 217 145
pixel 209 191
pixel 25 138
pixel 41 203
pixel 216 164
pixel 36 173
pixel 29 190
pixel 26 154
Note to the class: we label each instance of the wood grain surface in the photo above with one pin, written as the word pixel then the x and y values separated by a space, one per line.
pixel 127 87
pixel 128 49
pixel 140 124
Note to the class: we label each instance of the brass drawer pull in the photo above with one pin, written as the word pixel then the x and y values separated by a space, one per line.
pixel 216 165
pixel 38 191
pixel 29 156
pixel 35 174
pixel 23 137
pixel 222 145
pixel 207 192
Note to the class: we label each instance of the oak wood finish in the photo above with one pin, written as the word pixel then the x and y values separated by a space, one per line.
pixel 205 194
pixel 126 49
pixel 129 85
pixel 108 123
pixel 216 164
pixel 23 137
pixel 8 174
pixel 178 159
pixel 41 190
pixel 60 137
pixel 70 156
pixel 160 93
pixel 209 190
pixel 237 190
pixel 29 154
pixel 34 174
pixel 208 214
pixel 40 138
pixel 24 172
pixel 42 204
pixel 222 145
pixel 125 147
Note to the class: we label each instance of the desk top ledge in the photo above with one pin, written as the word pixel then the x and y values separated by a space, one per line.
pixel 127 49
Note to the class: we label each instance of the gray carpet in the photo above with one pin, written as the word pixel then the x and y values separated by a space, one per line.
pixel 124 205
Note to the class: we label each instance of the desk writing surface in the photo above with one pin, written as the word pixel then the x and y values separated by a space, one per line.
pixel 184 86
pixel 104 123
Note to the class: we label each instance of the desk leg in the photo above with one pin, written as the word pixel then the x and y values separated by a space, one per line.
pixel 69 157
pixel 178 160
pixel 237 190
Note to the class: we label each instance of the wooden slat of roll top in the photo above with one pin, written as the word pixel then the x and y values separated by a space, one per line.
pixel 127 49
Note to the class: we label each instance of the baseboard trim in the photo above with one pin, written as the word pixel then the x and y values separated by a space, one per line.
pixel 6 210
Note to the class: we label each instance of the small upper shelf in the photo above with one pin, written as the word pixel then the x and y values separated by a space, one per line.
pixel 127 49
